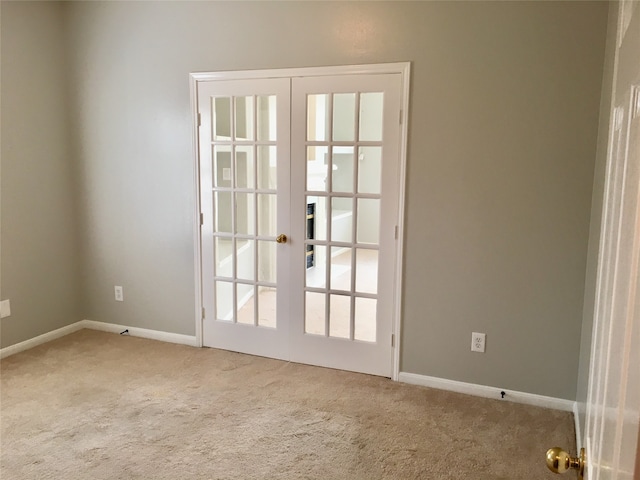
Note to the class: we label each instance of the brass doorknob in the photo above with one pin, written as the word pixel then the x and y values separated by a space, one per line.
pixel 560 461
pixel 282 238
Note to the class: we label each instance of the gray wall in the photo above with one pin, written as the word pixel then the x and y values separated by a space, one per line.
pixel 502 142
pixel 499 195
pixel 39 261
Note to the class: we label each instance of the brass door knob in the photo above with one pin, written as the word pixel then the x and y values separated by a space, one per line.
pixel 282 238
pixel 560 461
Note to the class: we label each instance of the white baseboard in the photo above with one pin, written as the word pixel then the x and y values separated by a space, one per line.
pixel 40 339
pixel 141 332
pixel 104 327
pixel 487 392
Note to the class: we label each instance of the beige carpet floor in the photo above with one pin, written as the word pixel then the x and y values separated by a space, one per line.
pixel 95 405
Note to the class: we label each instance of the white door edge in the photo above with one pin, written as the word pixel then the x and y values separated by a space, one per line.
pixel 402 68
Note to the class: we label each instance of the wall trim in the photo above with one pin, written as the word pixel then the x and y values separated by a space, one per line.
pixel 141 332
pixel 103 327
pixel 197 239
pixel 39 340
pixel 487 392
pixel 405 69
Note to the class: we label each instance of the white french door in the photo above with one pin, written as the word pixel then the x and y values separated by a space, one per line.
pixel 345 173
pixel 299 181
pixel 244 200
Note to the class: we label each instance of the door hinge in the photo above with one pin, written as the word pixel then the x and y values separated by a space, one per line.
pixel 636 102
pixel 202 219
pixel 203 313
pixel 396 232
pixel 199 119
pixel 400 119
pixel 393 340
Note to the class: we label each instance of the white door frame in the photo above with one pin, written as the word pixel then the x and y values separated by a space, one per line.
pixel 402 68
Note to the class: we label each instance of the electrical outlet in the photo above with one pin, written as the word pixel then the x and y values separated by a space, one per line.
pixel 119 293
pixel 478 342
pixel 5 308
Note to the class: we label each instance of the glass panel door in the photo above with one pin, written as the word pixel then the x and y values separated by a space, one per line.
pixel 244 147
pixel 345 202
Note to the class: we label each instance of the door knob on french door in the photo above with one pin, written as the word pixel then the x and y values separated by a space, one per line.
pixel 282 238
pixel 560 461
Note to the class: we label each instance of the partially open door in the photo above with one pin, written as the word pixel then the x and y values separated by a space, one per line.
pixel 613 403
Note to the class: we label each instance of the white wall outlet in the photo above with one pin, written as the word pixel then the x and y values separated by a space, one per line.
pixel 5 308
pixel 119 293
pixel 478 342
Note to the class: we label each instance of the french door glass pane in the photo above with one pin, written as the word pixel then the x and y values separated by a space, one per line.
pixel 244 118
pixel 344 116
pixel 369 169
pixel 245 259
pixel 267 209
pixel 267 177
pixel 266 118
pixel 246 303
pixel 317 117
pixel 365 319
pixel 267 301
pixel 317 168
pixel 244 166
pixel 267 261
pixel 371 116
pixel 221 124
pixel 222 212
pixel 341 219
pixel 317 223
pixel 245 212
pixel 366 271
pixel 314 313
pixel 342 166
pixel 223 248
pixel 224 301
pixel 340 268
pixel 339 316
pixel 316 275
pixel 222 166
pixel 368 220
